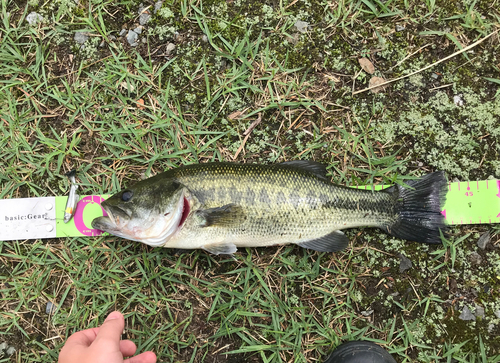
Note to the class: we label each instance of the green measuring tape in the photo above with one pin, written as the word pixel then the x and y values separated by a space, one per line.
pixel 470 202
pixel 473 202
pixel 29 218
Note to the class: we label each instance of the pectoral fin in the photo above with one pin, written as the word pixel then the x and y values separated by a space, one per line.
pixel 225 216
pixel 332 242
pixel 223 248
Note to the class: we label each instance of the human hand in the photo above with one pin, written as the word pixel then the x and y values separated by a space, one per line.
pixel 103 345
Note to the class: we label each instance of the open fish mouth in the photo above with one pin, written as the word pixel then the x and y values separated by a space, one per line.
pixel 105 223
pixel 111 222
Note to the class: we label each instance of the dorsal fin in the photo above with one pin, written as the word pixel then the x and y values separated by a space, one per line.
pixel 310 166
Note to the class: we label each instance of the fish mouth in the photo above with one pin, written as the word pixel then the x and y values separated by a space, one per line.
pixel 110 222
pixel 103 223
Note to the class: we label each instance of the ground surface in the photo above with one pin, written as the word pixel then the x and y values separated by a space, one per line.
pixel 76 94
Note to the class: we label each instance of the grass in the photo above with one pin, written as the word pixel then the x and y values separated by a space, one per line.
pixel 119 114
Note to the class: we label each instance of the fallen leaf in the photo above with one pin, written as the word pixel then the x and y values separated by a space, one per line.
pixel 301 26
pixel 140 104
pixel 375 81
pixel 127 86
pixel 366 65
pixel 235 115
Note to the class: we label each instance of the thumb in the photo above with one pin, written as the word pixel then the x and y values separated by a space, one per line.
pixel 111 330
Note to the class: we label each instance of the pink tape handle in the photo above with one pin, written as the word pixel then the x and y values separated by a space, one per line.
pixel 78 217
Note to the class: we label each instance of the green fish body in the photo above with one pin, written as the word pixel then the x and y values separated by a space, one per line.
pixel 221 206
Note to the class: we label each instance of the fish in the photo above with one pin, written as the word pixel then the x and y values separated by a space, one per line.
pixel 73 198
pixel 221 206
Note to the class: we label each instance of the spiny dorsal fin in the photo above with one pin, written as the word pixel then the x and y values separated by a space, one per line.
pixel 331 242
pixel 310 166
pixel 227 215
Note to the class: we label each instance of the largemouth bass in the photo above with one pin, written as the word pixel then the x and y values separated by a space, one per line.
pixel 221 206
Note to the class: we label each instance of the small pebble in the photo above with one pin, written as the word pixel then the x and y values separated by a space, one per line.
pixel 132 37
pixel 123 32
pixel 479 312
pixel 475 258
pixel 497 314
pixel 81 37
pixel 10 351
pixel 466 314
pixel 435 75
pixel 367 312
pixel 404 263
pixel 458 100
pixel 483 241
pixel 138 30
pixel 3 346
pixel 204 38
pixel 112 37
pixel 301 26
pixel 34 18
pixel 170 48
pixel 158 5
pixel 144 15
pixel 50 308
pixel 399 28
pixel 490 328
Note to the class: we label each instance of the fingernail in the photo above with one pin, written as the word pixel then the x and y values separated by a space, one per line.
pixel 114 315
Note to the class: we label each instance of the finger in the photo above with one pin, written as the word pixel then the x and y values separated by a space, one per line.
pixel 146 357
pixel 77 343
pixel 83 337
pixel 111 330
pixel 127 347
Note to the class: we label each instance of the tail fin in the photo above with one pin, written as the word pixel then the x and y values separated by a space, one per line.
pixel 419 209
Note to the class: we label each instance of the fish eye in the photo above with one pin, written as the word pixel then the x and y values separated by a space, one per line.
pixel 127 195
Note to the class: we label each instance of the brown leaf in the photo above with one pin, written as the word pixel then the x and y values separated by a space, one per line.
pixel 235 115
pixel 366 65
pixel 140 104
pixel 375 81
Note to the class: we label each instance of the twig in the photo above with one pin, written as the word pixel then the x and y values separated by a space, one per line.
pixel 409 55
pixel 252 126
pixel 443 86
pixel 247 133
pixel 429 66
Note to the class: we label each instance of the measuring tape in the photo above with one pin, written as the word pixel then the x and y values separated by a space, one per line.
pixel 473 202
pixel 32 218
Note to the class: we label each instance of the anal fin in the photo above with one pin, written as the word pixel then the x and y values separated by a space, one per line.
pixel 223 248
pixel 331 242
